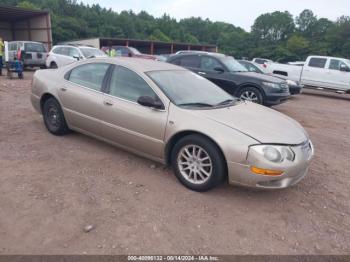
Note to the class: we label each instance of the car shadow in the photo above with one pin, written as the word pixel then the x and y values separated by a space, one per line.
pixel 326 94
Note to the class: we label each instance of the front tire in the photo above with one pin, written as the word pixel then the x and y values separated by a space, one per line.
pixel 53 117
pixel 251 94
pixel 198 163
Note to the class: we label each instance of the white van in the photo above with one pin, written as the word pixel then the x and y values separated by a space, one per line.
pixel 318 71
pixel 34 53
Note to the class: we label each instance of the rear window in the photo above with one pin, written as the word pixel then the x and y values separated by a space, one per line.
pixel 57 50
pixel 12 46
pixel 34 47
pixel 317 62
pixel 260 61
pixel 92 52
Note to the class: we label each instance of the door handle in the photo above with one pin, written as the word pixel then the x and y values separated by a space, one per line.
pixel 107 103
pixel 63 89
pixel 201 73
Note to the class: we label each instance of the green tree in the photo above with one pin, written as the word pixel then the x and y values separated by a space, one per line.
pixel 305 20
pixel 273 27
pixel 28 5
pixel 276 35
pixel 298 46
pixel 159 36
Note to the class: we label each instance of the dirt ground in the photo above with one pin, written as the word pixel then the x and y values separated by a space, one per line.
pixel 52 187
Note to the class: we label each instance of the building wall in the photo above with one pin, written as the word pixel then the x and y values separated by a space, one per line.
pixel 95 42
pixel 5 31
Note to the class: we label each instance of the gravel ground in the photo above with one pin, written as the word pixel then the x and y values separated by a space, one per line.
pixel 77 195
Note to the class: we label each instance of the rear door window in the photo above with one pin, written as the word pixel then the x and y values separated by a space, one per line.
pixel 190 61
pixel 260 61
pixel 209 63
pixel 89 75
pixel 73 52
pixel 318 62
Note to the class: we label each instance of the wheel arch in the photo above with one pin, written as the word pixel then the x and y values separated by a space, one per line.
pixel 44 98
pixel 176 137
pixel 240 87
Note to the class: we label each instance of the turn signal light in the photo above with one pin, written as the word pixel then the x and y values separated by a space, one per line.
pixel 265 172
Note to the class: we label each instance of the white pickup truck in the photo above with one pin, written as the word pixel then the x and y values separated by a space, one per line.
pixel 318 71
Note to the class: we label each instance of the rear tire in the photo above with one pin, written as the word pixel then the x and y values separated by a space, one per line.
pixel 198 163
pixel 251 94
pixel 53 118
pixel 53 65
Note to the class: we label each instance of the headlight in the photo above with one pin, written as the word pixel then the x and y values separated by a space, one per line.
pixel 276 154
pixel 291 82
pixel 272 85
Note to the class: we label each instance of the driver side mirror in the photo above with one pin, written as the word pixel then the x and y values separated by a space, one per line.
pixel 344 68
pixel 150 102
pixel 76 57
pixel 220 70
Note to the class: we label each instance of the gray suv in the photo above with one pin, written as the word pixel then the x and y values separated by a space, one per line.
pixel 234 78
pixel 34 53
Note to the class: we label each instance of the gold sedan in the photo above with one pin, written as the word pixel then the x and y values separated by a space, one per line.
pixel 173 116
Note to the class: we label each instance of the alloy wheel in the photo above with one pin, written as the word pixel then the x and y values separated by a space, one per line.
pixel 249 96
pixel 195 164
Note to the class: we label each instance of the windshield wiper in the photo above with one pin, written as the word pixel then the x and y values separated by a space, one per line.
pixel 226 102
pixel 196 104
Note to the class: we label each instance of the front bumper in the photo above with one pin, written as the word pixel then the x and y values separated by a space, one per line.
pixel 293 172
pixel 276 98
pixel 295 89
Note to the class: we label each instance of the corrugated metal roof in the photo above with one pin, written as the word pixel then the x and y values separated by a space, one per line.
pixel 12 14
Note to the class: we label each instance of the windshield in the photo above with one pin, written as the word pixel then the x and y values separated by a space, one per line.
pixel 188 89
pixel 91 52
pixel 232 64
pixel 135 51
pixel 251 67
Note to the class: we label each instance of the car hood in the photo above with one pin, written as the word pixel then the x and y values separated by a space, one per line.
pixel 259 77
pixel 261 123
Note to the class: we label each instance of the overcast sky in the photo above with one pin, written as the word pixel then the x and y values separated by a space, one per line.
pixel 240 13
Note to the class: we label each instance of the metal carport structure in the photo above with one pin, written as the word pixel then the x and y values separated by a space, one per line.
pixel 146 46
pixel 19 24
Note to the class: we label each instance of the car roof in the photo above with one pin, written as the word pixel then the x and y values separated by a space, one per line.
pixel 139 64
pixel 328 57
pixel 217 55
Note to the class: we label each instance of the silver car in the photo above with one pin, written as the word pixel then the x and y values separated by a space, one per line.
pixel 173 116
